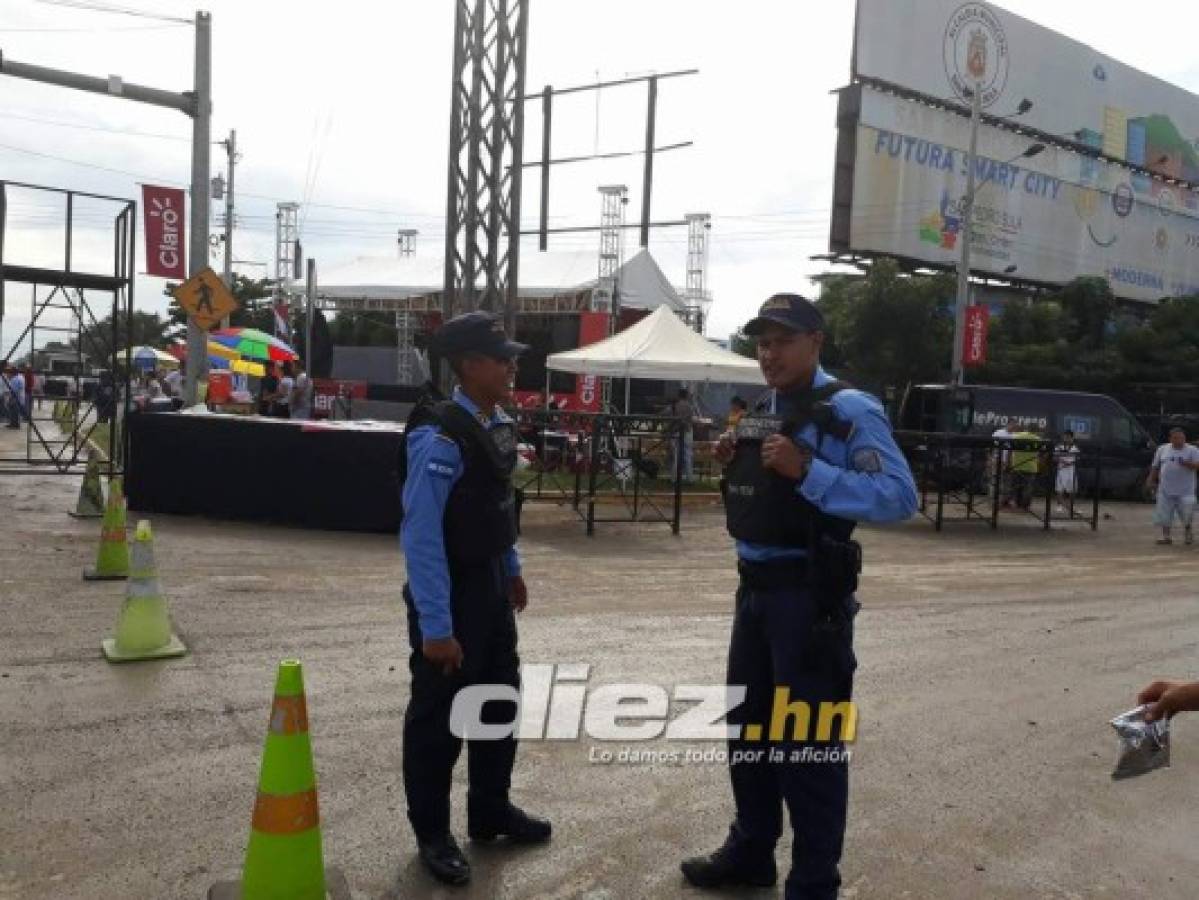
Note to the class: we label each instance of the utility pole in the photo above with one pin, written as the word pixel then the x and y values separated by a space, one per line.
pixel 958 374
pixel 197 337
pixel 310 293
pixel 230 145
pixel 196 103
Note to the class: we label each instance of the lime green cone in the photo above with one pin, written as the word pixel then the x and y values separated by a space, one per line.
pixel 112 559
pixel 284 857
pixel 144 628
pixel 90 504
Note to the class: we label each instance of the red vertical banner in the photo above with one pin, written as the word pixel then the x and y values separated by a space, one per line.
pixel 593 327
pixel 164 224
pixel 974 353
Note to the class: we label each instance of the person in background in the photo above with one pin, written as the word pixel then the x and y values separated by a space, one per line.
pixel 16 397
pixel 683 410
pixel 1173 475
pixel 268 391
pixel 282 406
pixel 737 408
pixel 172 382
pixel 1066 481
pixel 301 395
pixel 1024 466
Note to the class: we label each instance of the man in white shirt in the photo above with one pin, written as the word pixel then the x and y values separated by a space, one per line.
pixel 173 382
pixel 301 395
pixel 1173 474
pixel 1066 483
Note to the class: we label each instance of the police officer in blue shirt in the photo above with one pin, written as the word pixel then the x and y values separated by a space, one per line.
pixel 464 585
pixel 813 459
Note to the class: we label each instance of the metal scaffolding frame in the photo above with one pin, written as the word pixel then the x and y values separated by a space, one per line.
pixel 482 242
pixel 59 440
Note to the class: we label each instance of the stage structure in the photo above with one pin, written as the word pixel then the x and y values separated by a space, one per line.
pixel 482 241
pixel 85 367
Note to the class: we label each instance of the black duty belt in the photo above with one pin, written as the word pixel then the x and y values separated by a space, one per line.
pixel 773 575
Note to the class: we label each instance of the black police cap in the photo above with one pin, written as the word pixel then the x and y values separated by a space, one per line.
pixel 788 310
pixel 476 332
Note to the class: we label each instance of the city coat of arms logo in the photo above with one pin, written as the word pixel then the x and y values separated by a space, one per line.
pixel 976 52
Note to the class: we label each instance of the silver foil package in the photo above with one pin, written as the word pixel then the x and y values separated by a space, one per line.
pixel 1144 746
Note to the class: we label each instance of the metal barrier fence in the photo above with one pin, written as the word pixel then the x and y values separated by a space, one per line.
pixel 980 476
pixel 607 467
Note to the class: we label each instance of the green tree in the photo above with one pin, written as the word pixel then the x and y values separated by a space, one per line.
pixel 886 328
pixel 253 311
pixel 146 328
pixel 363 329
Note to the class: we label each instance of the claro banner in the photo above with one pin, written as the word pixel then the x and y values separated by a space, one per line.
pixel 941 47
pixel 164 210
pixel 974 352
pixel 1049 218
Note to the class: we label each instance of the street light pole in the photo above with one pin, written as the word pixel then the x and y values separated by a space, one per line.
pixel 963 294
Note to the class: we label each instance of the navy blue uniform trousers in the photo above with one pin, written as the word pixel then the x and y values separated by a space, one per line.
pixel 485 626
pixel 772 644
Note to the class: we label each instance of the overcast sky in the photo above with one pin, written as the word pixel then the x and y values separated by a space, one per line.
pixel 344 107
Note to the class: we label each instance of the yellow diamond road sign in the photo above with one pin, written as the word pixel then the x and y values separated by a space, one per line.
pixel 205 298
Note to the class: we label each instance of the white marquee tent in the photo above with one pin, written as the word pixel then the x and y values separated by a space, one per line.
pixel 661 347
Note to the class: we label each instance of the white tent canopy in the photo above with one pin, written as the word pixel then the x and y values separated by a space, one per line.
pixel 661 347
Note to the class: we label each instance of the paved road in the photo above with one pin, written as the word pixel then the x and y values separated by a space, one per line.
pixel 990 664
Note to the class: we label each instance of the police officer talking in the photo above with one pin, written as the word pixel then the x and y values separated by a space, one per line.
pixel 815 457
pixel 464 586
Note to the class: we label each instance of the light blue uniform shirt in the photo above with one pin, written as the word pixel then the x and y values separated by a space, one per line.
pixel 864 478
pixel 434 467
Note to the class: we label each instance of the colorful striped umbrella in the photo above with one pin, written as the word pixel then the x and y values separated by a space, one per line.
pixel 255 344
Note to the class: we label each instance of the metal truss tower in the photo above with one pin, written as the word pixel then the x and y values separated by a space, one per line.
pixel 482 241
pixel 611 251
pixel 406 244
pixel 696 292
pixel 287 233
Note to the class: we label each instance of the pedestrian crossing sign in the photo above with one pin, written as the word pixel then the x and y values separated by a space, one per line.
pixel 205 298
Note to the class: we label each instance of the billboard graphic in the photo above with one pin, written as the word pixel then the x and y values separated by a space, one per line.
pixel 163 215
pixel 940 47
pixel 1049 218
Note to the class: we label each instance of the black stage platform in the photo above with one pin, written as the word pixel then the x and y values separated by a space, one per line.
pixel 334 475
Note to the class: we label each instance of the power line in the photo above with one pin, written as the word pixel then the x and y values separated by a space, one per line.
pixel 80 125
pixel 91 6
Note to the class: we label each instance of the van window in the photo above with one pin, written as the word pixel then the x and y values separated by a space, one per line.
pixel 1123 431
pixel 1084 427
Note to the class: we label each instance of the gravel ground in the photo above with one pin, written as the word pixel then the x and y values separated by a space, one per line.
pixel 990 663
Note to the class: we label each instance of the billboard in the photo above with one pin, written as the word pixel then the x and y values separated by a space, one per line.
pixel 940 47
pixel 1049 218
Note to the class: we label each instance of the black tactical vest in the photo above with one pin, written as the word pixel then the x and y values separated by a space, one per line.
pixel 480 514
pixel 763 507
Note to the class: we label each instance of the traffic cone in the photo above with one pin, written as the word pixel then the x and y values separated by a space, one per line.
pixel 143 630
pixel 90 504
pixel 284 860
pixel 112 559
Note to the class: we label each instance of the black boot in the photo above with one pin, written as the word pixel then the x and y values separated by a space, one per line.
pixel 444 860
pixel 515 824
pixel 729 866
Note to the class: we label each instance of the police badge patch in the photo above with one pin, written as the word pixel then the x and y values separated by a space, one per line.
pixel 867 460
pixel 504 437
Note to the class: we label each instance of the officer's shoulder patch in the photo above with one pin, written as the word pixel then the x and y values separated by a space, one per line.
pixel 867 459
pixel 440 468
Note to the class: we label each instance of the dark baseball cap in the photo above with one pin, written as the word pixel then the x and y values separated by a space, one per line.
pixel 476 332
pixel 788 310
